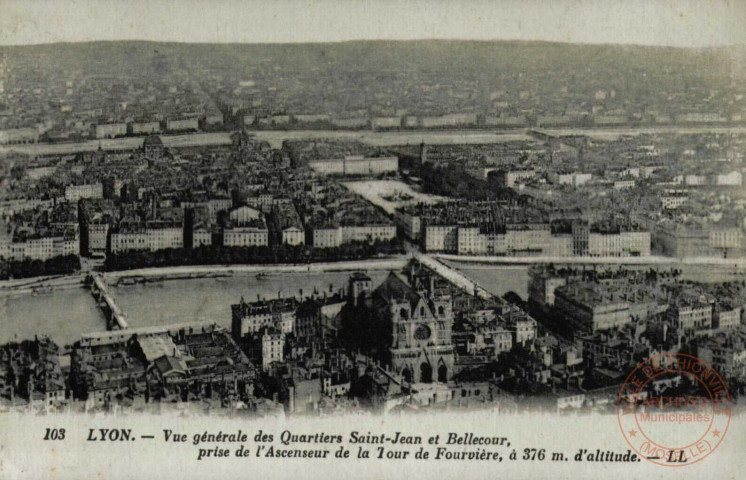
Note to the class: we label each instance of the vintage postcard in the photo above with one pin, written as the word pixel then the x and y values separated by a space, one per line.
pixel 372 239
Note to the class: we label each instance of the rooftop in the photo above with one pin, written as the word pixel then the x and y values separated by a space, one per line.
pixel 152 141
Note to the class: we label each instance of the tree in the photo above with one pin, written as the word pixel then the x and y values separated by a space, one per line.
pixel 17 172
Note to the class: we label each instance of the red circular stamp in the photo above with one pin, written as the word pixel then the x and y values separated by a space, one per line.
pixel 674 409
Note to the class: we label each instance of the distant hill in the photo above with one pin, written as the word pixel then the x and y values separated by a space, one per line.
pixel 454 57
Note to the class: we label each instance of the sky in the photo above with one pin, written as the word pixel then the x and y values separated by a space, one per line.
pixel 681 23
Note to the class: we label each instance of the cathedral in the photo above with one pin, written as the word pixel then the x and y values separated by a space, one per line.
pixel 417 321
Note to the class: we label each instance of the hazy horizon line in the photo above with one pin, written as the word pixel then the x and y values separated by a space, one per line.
pixel 380 40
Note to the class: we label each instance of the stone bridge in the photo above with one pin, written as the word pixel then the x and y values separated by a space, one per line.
pixel 115 318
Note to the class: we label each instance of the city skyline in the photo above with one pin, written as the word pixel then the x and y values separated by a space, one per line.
pixel 229 228
pixel 680 24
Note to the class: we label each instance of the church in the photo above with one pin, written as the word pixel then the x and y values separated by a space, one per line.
pixel 414 320
pixel 153 148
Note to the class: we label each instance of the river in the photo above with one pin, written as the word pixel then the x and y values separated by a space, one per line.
pixel 62 314
pixel 377 138
pixel 210 299
pixel 497 280
pixel 66 314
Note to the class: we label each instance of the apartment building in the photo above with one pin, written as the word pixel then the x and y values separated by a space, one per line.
pixel 575 179
pixel 369 233
pixel 73 193
pixel 449 120
pixel 440 238
pixel 691 315
pixel 409 222
pixel 110 130
pixel 334 236
pixel 622 244
pixel 356 165
pixel 697 240
pixel 672 201
pixel 251 318
pixel 149 238
pixel 726 317
pixel 509 178
pixel 19 135
pixel 327 237
pixel 182 124
pixel 250 235
pixel 40 247
pixel 386 122
pixel 594 308
pixel 145 128
pixel 727 353
pixel 97 237
pixel 541 287
pixel 273 347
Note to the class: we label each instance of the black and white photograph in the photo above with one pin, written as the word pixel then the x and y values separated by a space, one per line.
pixel 372 238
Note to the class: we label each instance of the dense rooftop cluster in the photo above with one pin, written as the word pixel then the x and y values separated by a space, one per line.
pixel 175 87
